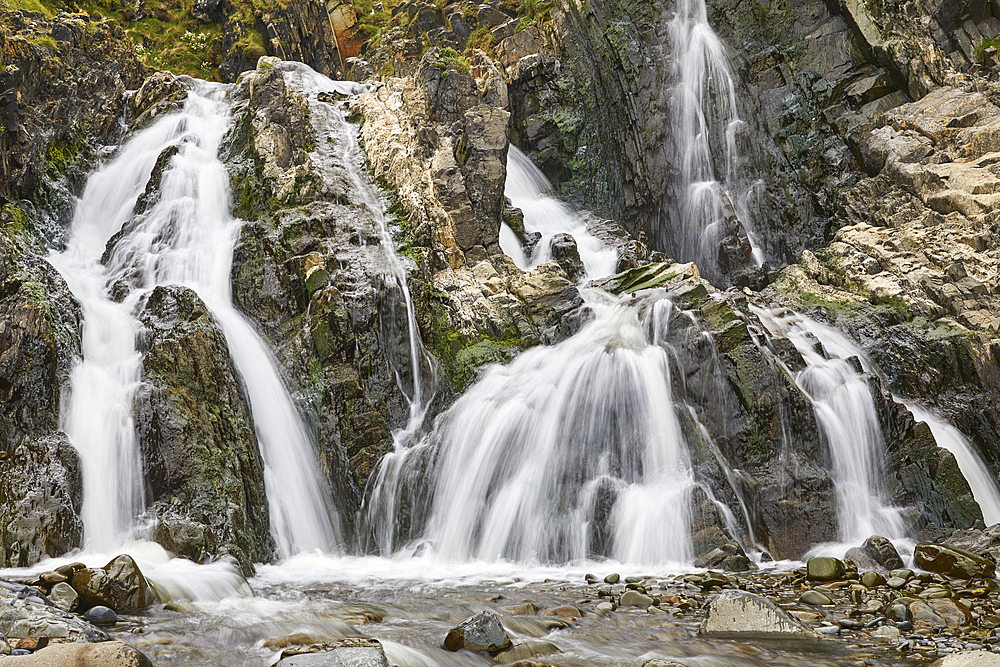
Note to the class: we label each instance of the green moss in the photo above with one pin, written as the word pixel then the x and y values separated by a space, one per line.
pixel 980 54
pixel 454 59
pixel 481 38
pixel 47 8
pixel 62 155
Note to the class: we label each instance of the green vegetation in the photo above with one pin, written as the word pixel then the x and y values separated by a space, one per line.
pixel 454 59
pixel 28 6
pixel 775 18
pixel 532 12
pixel 980 54
pixel 481 38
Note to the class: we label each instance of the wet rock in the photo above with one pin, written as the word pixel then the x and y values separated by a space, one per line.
pixel 526 651
pixel 26 616
pixel 739 614
pixel 881 550
pixel 201 459
pixel 118 585
pixel 634 599
pixel 612 578
pixel 350 652
pixel 482 632
pixel 952 562
pixel 101 615
pixel 940 611
pixel 815 597
pixel 824 568
pixel 978 658
pixel 105 654
pixel 872 579
pixel 63 596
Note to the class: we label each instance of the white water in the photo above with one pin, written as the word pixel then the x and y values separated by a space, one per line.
pixel 186 238
pixel 528 190
pixel 845 411
pixel 706 122
pixel 343 156
pixel 976 472
pixel 568 452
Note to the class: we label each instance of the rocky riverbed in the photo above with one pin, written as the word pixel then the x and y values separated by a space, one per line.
pixel 827 611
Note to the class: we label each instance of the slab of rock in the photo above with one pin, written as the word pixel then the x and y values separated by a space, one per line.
pixel 969 659
pixel 74 654
pixel 741 614
pixel 951 562
pixel 350 652
pixel 482 632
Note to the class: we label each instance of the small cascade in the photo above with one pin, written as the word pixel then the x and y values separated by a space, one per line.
pixel 976 472
pixel 568 452
pixel 708 132
pixel 344 156
pixel 186 237
pixel 845 410
pixel 528 190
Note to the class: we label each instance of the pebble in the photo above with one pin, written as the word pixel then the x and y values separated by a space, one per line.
pixel 605 607
pixel 814 597
pixel 101 615
pixel 612 578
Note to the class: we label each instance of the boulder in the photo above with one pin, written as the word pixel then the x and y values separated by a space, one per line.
pixel 64 597
pixel 74 654
pixel 881 550
pixel 741 614
pixel 940 611
pixel 119 585
pixel 824 568
pixel 952 562
pixel 969 659
pixel 480 633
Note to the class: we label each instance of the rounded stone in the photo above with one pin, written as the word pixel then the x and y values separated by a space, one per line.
pixel 824 568
pixel 635 599
pixel 814 597
pixel 872 579
pixel 101 615
pixel 896 582
pixel 612 578
pixel 604 607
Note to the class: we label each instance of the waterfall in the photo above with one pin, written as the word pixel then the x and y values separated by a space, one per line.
pixel 570 451
pixel 528 190
pixel 185 238
pixel 976 472
pixel 706 125
pixel 845 411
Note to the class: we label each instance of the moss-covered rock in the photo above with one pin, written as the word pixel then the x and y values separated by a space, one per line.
pixel 201 461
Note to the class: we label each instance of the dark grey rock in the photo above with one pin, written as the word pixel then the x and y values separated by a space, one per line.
pixel 482 632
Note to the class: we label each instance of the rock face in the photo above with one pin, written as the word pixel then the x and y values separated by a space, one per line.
pixel 202 466
pixel 742 614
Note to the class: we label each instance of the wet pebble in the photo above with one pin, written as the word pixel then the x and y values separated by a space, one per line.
pixel 101 615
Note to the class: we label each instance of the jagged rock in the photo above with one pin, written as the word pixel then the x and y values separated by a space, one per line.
pixel 566 254
pixel 118 585
pixel 881 550
pixel 64 597
pixel 951 561
pixel 105 654
pixel 742 614
pixel 482 632
pixel 449 93
pixel 160 93
pixel 24 616
pixel 201 459
pixel 482 155
pixel 713 546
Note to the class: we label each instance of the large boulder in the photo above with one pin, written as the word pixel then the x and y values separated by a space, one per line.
pixel 350 652
pixel 119 585
pixel 882 552
pixel 480 633
pixel 740 614
pixel 952 562
pixel 75 654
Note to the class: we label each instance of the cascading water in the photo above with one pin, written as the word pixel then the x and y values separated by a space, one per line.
pixel 981 480
pixel 706 125
pixel 845 411
pixel 558 456
pixel 528 189
pixel 185 238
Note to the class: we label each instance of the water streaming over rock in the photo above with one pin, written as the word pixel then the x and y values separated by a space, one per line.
pixel 977 474
pixel 344 156
pixel 845 410
pixel 712 182
pixel 568 452
pixel 528 190
pixel 185 237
